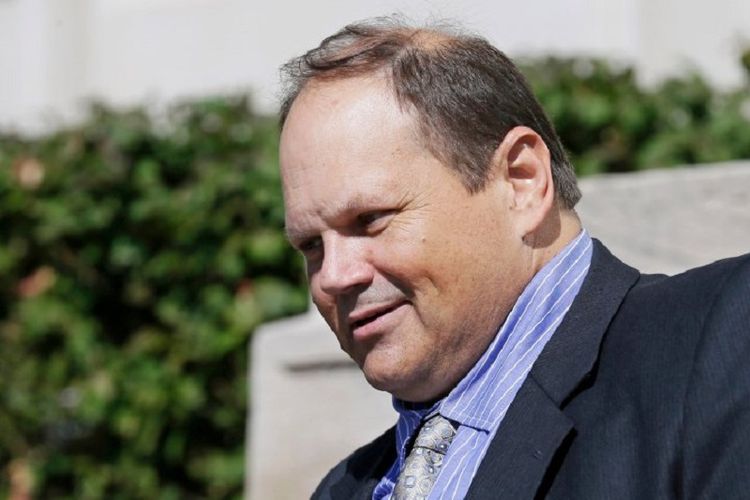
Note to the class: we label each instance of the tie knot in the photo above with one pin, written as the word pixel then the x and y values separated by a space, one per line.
pixel 436 434
pixel 423 464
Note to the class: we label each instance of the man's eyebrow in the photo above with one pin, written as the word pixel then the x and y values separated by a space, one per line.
pixel 334 213
pixel 361 201
pixel 354 203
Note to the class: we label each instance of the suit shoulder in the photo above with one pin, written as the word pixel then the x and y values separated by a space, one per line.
pixel 693 287
pixel 370 462
pixel 661 324
pixel 716 424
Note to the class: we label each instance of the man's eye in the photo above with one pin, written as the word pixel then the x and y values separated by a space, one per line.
pixel 310 246
pixel 376 220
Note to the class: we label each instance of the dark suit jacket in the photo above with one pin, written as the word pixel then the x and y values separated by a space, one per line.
pixel 643 392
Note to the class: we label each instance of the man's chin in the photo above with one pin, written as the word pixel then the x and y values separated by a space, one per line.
pixel 391 370
pixel 402 385
pixel 383 379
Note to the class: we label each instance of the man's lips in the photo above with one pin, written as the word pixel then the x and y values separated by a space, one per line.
pixel 367 314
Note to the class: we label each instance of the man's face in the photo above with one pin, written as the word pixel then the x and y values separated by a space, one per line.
pixel 412 272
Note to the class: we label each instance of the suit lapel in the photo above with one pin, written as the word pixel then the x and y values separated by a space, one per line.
pixel 349 489
pixel 364 492
pixel 361 472
pixel 573 350
pixel 535 427
pixel 515 462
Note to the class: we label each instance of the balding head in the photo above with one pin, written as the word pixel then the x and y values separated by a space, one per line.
pixel 465 94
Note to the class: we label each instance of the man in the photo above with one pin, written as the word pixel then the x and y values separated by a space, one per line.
pixel 434 205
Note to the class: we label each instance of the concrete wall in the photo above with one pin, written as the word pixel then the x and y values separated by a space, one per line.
pixel 54 54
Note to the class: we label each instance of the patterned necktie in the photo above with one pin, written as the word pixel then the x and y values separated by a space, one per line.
pixel 422 465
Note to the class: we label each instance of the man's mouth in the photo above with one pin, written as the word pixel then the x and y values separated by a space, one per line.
pixel 368 315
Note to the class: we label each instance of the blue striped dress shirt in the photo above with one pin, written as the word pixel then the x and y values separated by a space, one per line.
pixel 478 403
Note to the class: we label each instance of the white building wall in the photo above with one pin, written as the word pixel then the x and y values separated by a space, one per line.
pixel 42 60
pixel 56 53
pixel 678 35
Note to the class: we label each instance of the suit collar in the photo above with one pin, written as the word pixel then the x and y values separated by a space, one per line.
pixel 573 350
pixel 356 477
pixel 535 427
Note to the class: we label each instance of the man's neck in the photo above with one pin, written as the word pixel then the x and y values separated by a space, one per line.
pixel 558 230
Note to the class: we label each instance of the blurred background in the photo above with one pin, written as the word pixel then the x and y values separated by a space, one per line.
pixel 141 218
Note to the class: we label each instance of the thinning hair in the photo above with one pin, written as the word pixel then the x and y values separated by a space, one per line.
pixel 466 94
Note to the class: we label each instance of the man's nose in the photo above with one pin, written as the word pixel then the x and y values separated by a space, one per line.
pixel 345 266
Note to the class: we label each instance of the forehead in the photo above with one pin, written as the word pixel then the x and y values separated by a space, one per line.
pixel 344 114
pixel 345 141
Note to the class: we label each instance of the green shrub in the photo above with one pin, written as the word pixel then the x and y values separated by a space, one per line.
pixel 611 124
pixel 136 260
pixel 137 256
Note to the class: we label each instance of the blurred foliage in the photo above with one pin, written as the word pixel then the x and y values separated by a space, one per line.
pixel 609 123
pixel 138 255
pixel 136 259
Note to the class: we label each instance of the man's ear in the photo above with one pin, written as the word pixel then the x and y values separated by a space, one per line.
pixel 525 166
